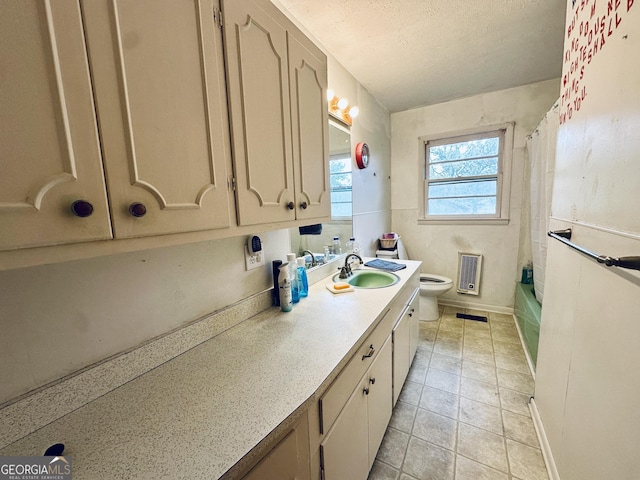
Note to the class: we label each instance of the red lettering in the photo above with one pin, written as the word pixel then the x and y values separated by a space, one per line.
pixel 582 72
pixel 618 4
pixel 610 31
pixel 629 4
pixel 618 20
pixel 593 9
pixel 609 7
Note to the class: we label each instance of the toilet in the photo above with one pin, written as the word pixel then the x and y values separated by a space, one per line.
pixel 431 285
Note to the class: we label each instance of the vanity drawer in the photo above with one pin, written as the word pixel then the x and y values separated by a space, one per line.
pixel 336 396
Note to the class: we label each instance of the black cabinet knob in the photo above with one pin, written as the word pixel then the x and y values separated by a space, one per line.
pixel 81 208
pixel 366 391
pixel 303 205
pixel 137 209
pixel 291 205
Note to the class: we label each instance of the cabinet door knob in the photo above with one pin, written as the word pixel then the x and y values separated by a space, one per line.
pixel 366 391
pixel 371 352
pixel 81 208
pixel 372 380
pixel 291 205
pixel 303 205
pixel 137 209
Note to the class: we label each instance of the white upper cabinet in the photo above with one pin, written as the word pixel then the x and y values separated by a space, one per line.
pixel 158 76
pixel 49 146
pixel 277 82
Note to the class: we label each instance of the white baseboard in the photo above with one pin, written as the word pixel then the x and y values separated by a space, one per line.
pixel 475 306
pixel 550 463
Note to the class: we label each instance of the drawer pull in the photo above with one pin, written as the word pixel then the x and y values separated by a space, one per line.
pixel 372 380
pixel 291 205
pixel 366 391
pixel 137 210
pixel 304 205
pixel 81 208
pixel 411 312
pixel 371 352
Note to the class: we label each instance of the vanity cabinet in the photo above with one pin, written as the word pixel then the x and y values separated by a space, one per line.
pixel 157 130
pixel 277 81
pixel 350 447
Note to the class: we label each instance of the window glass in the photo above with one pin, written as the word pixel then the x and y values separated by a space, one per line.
pixel 462 176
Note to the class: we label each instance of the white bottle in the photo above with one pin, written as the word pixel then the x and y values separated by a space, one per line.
pixel 337 246
pixel 293 277
pixel 284 288
pixel 349 246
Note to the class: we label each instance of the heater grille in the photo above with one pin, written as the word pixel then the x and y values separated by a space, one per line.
pixel 469 273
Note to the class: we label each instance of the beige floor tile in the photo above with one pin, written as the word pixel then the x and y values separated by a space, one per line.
pixel 520 382
pixel 467 469
pixel 520 428
pixel 478 333
pixel 404 476
pixel 481 415
pixel 480 391
pixel 477 313
pixel 446 363
pixel 453 336
pixel 506 348
pixel 410 393
pixel 507 337
pixel 417 373
pixel 443 380
pixel 447 347
pixel 425 461
pixel 526 462
pixel 501 318
pixel 439 401
pixel 475 326
pixel 393 447
pixel 482 446
pixel 504 328
pixel 403 416
pixel 423 356
pixel 516 363
pixel 435 428
pixel 515 402
pixel 481 343
pixel 479 356
pixel 382 471
pixel 478 371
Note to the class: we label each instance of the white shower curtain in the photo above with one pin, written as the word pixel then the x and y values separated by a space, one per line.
pixel 541 146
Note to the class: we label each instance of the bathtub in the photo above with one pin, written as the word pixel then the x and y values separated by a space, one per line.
pixel 528 312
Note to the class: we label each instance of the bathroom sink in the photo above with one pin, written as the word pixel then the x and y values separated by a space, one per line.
pixel 369 279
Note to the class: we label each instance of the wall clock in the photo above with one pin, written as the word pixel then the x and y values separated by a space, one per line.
pixel 362 155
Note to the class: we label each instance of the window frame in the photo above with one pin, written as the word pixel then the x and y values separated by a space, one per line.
pixel 503 192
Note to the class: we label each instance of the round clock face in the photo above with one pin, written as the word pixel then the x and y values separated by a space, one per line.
pixel 362 155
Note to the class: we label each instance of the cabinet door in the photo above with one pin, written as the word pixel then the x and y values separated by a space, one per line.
pixel 414 313
pixel 379 402
pixel 288 460
pixel 309 123
pixel 49 148
pixel 258 75
pixel 401 347
pixel 160 95
pixel 344 452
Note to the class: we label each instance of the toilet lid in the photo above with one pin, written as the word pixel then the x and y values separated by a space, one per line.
pixel 431 278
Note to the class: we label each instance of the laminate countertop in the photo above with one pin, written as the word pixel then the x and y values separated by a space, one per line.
pixel 214 408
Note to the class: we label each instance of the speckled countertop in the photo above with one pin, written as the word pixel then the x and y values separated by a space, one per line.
pixel 199 414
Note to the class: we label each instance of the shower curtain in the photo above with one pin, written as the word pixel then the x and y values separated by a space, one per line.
pixel 541 146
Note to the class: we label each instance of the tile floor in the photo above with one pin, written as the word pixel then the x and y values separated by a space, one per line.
pixel 463 412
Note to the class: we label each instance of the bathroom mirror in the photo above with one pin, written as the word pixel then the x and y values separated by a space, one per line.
pixel 340 165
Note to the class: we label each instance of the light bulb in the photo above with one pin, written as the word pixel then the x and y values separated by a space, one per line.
pixel 330 95
pixel 342 103
pixel 353 112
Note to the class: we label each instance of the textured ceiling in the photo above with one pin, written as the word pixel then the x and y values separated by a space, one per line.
pixel 412 53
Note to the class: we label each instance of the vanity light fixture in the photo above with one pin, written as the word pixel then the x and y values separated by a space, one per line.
pixel 339 107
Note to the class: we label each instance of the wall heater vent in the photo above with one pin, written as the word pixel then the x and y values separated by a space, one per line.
pixel 469 273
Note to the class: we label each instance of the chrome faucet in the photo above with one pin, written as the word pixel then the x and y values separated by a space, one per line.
pixel 346 270
pixel 313 259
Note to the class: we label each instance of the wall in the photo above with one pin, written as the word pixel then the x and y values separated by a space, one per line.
pixel 57 319
pixel 438 245
pixel 587 384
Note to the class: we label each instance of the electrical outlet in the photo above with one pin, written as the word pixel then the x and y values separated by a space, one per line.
pixel 253 261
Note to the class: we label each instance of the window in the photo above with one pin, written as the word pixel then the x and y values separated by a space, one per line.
pixel 463 177
pixel 340 181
